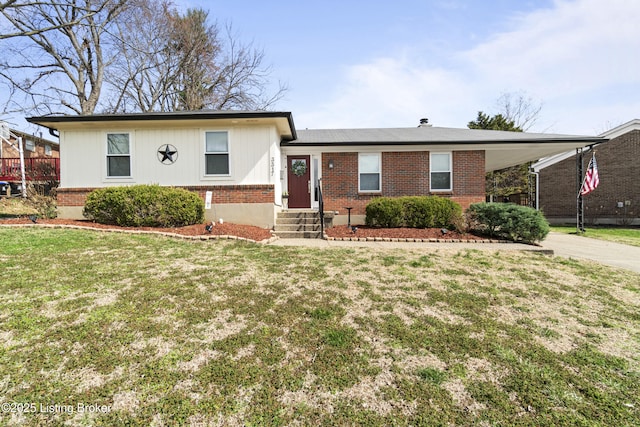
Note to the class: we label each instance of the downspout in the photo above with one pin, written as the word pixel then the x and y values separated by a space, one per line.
pixel 537 174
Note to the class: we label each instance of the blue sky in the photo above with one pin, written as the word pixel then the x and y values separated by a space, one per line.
pixel 352 64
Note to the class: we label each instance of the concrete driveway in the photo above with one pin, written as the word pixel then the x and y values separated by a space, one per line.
pixel 578 247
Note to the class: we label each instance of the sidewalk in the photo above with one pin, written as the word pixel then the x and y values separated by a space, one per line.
pixel 320 243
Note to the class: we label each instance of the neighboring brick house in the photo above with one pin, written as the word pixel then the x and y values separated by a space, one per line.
pixel 247 161
pixel 41 158
pixel 616 200
pixel 34 147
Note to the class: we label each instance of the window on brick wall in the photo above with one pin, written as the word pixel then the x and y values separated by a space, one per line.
pixel 440 172
pixel 118 155
pixel 216 153
pixel 369 176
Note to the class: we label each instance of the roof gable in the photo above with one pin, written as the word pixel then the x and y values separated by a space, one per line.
pixel 616 132
pixel 622 129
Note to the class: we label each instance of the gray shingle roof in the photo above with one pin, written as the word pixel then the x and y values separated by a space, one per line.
pixel 423 135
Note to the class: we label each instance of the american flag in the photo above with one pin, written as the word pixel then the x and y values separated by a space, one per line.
pixel 591 179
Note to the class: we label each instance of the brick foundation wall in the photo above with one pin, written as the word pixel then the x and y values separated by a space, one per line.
pixel 618 162
pixel 403 174
pixel 221 194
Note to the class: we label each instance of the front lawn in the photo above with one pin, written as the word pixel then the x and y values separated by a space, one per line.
pixel 627 236
pixel 115 329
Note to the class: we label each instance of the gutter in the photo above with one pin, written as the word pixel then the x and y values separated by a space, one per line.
pixel 587 141
pixel 158 116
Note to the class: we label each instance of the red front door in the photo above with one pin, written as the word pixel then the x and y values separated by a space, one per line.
pixel 299 179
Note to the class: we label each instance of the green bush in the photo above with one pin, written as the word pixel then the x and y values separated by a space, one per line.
pixel 144 205
pixel 431 211
pixel 384 212
pixel 414 212
pixel 509 221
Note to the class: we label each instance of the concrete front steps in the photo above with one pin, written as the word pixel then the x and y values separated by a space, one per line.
pixel 298 224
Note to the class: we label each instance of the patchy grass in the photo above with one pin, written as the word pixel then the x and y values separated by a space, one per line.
pixel 627 236
pixel 167 332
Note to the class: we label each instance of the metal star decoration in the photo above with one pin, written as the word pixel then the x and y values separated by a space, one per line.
pixel 167 154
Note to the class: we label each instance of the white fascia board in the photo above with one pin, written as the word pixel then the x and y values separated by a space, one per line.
pixel 622 129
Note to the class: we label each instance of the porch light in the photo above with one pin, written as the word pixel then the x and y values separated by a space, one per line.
pixel 331 164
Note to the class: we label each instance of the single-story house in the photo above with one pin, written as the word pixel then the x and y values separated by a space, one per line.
pixel 247 161
pixel 616 200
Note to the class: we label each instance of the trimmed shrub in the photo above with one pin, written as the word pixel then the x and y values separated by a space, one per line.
pixel 384 212
pixel 431 211
pixel 414 212
pixel 509 221
pixel 144 206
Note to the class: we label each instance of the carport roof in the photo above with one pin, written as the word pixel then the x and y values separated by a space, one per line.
pixel 502 148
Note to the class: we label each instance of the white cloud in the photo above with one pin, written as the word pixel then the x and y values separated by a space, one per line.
pixel 575 47
pixel 578 57
pixel 391 92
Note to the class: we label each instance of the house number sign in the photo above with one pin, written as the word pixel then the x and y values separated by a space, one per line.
pixel 167 154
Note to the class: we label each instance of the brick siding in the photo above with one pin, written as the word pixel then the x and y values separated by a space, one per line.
pixel 9 151
pixel 222 194
pixel 618 162
pixel 403 174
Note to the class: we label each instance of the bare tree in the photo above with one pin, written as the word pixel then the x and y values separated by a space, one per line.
pixel 59 59
pixel 14 4
pixel 519 108
pixel 518 113
pixel 144 74
pixel 199 50
pixel 7 3
pixel 241 82
pixel 126 55
pixel 181 62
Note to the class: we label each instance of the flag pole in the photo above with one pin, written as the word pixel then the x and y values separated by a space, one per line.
pixel 593 155
pixel 592 176
pixel 580 183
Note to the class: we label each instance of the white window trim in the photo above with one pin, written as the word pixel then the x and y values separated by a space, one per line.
pixel 107 155
pixel 441 190
pixel 379 154
pixel 205 175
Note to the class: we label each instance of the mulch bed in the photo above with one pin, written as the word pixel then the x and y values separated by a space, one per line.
pixel 226 229
pixel 362 231
pixel 258 234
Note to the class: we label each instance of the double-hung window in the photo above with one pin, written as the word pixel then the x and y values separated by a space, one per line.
pixel 369 176
pixel 216 153
pixel 440 166
pixel 118 155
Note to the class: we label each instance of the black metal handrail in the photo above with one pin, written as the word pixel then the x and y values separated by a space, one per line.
pixel 321 207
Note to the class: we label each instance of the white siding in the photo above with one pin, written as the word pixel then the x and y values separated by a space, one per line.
pixel 83 157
